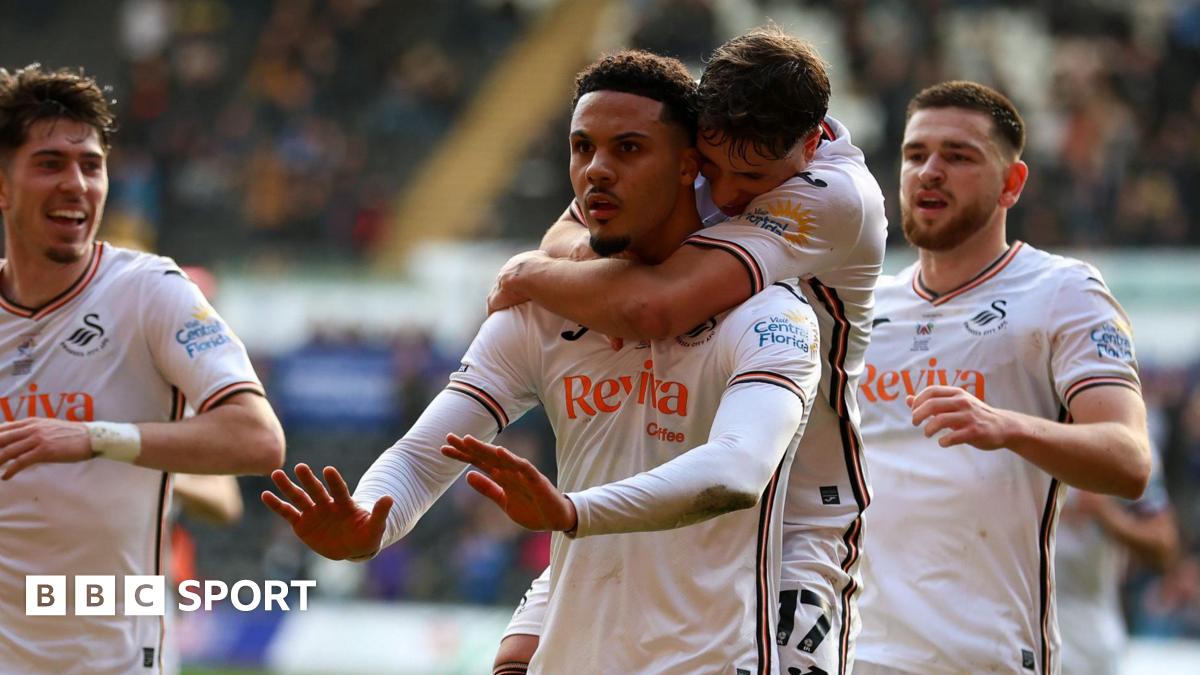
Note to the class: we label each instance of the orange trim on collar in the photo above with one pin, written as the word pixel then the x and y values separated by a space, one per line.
pixel 63 298
pixel 988 272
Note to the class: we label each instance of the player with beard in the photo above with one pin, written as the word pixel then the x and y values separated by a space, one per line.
pixel 997 375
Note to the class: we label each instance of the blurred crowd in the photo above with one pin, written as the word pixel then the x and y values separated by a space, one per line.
pixel 288 128
pixel 283 129
pixel 1110 92
pixel 274 129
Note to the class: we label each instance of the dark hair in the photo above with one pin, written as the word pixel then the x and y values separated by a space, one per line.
pixel 641 73
pixel 1009 126
pixel 31 94
pixel 765 90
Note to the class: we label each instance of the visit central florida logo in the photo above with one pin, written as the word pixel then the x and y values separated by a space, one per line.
pixel 202 332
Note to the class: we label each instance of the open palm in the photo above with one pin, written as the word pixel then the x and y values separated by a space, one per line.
pixel 328 521
pixel 526 495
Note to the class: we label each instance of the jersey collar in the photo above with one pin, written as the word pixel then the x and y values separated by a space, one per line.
pixel 61 299
pixel 993 268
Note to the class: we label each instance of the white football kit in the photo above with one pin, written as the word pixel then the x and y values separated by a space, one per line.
pixel 958 569
pixel 132 340
pixel 652 442
pixel 825 226
pixel 1089 566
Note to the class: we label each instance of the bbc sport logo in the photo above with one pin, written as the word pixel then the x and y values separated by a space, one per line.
pixel 146 595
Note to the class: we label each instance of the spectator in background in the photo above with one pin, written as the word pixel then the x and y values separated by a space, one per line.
pixel 1095 535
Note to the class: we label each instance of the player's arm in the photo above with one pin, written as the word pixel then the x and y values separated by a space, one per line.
pixel 1152 537
pixel 239 435
pixel 1104 449
pixel 727 473
pixel 395 492
pixel 716 270
pixel 623 299
pixel 408 477
pixel 616 297
pixel 567 238
pixel 212 498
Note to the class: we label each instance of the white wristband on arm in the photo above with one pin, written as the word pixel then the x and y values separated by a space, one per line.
pixel 120 441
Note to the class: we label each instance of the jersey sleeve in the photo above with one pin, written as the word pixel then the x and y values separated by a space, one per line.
pixel 777 342
pixel 1091 339
pixel 414 472
pixel 191 344
pixel 491 387
pixel 806 227
pixel 499 369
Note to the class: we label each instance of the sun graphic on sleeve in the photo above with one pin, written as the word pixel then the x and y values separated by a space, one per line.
pixel 796 316
pixel 201 312
pixel 795 212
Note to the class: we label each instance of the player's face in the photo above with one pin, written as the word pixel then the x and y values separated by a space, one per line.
pixel 952 177
pixel 52 191
pixel 627 167
pixel 733 180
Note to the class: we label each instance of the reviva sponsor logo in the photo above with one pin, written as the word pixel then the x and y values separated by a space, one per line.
pixel 585 397
pixel 889 385
pixel 74 406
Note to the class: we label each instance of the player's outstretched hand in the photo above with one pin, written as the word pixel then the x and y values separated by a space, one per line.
pixel 329 521
pixel 969 419
pixel 517 487
pixel 38 440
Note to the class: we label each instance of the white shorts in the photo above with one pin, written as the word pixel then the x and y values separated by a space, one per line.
pixel 808 641
pixel 527 619
pixel 810 630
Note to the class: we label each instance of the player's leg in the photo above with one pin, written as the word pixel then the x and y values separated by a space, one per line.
pixel 810 628
pixel 521 636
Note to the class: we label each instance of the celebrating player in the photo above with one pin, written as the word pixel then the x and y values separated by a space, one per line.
pixel 651 438
pixel 997 375
pixel 107 348
pixel 795 200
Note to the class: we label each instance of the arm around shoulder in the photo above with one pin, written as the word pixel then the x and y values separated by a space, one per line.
pixel 622 299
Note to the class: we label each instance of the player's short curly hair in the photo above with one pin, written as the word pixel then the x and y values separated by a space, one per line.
pixel 659 78
pixel 764 91
pixel 32 94
pixel 1009 127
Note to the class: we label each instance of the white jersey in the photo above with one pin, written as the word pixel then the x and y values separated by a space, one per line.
pixel 1089 567
pixel 825 226
pixel 132 340
pixel 696 598
pixel 958 571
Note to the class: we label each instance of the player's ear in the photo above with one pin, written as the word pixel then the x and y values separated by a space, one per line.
pixel 811 141
pixel 689 165
pixel 1014 181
